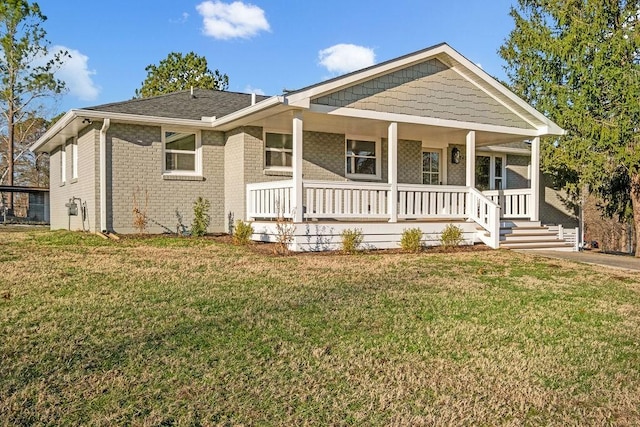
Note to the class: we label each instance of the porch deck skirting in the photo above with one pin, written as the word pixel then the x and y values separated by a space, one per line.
pixel 363 202
pixel 319 235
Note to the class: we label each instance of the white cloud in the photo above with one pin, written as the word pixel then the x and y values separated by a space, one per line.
pixel 251 89
pixel 76 74
pixel 344 58
pixel 230 20
pixel 479 65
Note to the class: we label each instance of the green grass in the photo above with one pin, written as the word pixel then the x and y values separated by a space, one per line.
pixel 182 331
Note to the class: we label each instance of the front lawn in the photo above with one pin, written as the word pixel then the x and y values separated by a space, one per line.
pixel 181 331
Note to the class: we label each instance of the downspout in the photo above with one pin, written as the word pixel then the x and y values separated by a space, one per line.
pixel 103 174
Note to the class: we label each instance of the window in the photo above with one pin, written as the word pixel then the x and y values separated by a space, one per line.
pixel 431 167
pixel 74 159
pixel 63 163
pixel 362 158
pixel 490 172
pixel 182 152
pixel 278 150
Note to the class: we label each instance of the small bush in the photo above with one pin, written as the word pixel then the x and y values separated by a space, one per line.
pixel 242 233
pixel 451 236
pixel 411 240
pixel 285 230
pixel 201 217
pixel 351 240
pixel 140 219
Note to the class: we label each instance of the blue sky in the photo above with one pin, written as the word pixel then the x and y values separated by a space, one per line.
pixel 264 46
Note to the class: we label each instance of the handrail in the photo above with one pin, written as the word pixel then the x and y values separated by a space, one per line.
pixel 514 203
pixel 487 214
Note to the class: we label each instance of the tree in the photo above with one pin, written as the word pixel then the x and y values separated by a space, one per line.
pixel 177 72
pixel 578 61
pixel 30 169
pixel 26 78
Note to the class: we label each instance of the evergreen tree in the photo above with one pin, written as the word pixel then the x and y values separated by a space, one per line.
pixel 177 72
pixel 26 79
pixel 578 61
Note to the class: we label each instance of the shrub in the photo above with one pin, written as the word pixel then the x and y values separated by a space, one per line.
pixel 351 240
pixel 140 218
pixel 201 217
pixel 411 240
pixel 242 233
pixel 451 236
pixel 285 230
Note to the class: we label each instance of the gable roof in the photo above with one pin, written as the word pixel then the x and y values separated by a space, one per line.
pixel 182 105
pixel 451 58
pixel 222 111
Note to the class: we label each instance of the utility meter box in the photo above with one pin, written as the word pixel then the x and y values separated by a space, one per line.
pixel 72 208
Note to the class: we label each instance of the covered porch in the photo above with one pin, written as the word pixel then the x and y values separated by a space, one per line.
pixel 393 205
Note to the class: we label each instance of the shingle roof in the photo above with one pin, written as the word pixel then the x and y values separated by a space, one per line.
pixel 181 105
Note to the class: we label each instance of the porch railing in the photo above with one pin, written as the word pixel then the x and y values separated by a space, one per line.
pixel 513 203
pixel 324 199
pixel 349 200
pixel 433 201
pixel 270 199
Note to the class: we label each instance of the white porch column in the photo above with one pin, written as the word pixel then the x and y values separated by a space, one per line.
pixel 535 179
pixel 471 159
pixel 296 192
pixel 392 174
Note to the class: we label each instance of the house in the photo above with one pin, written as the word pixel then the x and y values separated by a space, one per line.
pixel 424 140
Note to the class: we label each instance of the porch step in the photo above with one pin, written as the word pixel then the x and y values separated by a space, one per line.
pixel 519 223
pixel 529 235
pixel 534 244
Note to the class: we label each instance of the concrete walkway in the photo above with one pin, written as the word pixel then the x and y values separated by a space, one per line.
pixel 625 262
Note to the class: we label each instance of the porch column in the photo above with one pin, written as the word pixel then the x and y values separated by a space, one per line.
pixel 392 173
pixel 471 159
pixel 535 179
pixel 296 163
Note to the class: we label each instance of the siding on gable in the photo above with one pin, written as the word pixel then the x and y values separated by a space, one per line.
pixel 428 89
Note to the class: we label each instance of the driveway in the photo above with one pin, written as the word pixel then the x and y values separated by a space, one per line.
pixel 625 262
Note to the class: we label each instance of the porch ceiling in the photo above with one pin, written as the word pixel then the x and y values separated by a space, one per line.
pixel 376 128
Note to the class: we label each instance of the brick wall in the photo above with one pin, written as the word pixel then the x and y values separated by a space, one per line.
pixel 83 187
pixel 457 173
pixel 518 171
pixel 134 165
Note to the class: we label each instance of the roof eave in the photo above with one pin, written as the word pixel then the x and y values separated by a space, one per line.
pixel 58 126
pixel 238 117
pixel 71 115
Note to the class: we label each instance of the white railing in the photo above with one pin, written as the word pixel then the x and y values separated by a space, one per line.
pixel 269 199
pixel 431 201
pixel 486 213
pixel 327 199
pixel 515 203
pixel 337 199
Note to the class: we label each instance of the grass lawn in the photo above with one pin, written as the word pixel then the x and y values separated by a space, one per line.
pixel 169 331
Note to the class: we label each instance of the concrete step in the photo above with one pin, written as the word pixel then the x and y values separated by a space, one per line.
pixel 524 231
pixel 534 244
pixel 510 223
pixel 523 237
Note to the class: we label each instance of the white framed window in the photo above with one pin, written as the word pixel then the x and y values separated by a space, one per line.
pixel 63 163
pixel 278 150
pixel 182 152
pixel 491 172
pixel 74 159
pixel 362 158
pixel 431 167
